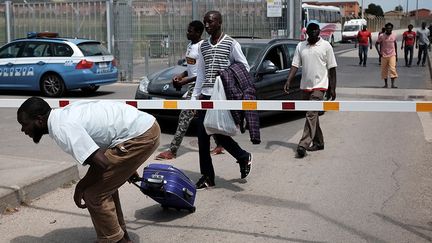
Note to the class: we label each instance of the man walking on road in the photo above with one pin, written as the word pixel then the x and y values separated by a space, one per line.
pixel 364 39
pixel 318 61
pixel 387 48
pixel 422 43
pixel 216 53
pixel 408 39
pixel 194 32
pixel 113 138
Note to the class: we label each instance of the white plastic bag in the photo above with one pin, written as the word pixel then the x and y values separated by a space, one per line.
pixel 219 121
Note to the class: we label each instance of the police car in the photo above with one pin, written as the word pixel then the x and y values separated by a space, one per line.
pixel 51 64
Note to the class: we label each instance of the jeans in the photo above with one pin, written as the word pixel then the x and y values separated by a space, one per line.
pixel 422 52
pixel 228 143
pixel 409 49
pixel 363 50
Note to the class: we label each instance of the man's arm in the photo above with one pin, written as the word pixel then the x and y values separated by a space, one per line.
pixel 237 55
pixel 331 91
pixel 396 50
pixel 370 41
pixel 98 162
pixel 291 76
pixel 377 48
pixel 403 40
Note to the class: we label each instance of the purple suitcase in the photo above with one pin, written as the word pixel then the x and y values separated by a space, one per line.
pixel 168 186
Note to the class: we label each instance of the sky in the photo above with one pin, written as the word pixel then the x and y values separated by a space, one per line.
pixel 388 5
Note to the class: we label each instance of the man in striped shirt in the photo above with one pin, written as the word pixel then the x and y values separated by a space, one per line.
pixel 216 53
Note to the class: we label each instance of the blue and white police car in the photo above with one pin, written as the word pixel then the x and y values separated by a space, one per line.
pixel 51 64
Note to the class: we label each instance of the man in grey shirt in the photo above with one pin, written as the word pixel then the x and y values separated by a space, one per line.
pixel 422 43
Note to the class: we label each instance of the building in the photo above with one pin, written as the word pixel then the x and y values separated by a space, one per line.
pixel 348 8
pixel 394 14
pixel 422 12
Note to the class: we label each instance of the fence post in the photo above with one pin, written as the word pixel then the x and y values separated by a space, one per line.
pixel 194 10
pixel 109 37
pixel 8 20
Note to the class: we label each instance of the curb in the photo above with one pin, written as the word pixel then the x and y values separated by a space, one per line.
pixel 55 177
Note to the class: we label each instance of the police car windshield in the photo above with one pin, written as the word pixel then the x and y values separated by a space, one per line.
pixel 93 49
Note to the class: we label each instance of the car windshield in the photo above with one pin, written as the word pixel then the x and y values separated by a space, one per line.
pixel 351 28
pixel 251 51
pixel 93 49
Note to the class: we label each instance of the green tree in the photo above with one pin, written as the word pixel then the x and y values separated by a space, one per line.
pixel 399 8
pixel 374 10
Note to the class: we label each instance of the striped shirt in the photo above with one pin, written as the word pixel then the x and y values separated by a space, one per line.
pixel 214 58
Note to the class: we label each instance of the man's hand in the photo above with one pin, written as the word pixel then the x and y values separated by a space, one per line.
pixel 331 94
pixel 286 87
pixel 133 178
pixel 79 197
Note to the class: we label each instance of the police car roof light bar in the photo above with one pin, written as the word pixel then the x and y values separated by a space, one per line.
pixel 45 34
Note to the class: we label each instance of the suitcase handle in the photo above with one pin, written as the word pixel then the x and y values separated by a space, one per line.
pixel 154 182
pixel 187 193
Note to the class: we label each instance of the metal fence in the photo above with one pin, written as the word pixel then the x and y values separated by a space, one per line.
pixel 139 31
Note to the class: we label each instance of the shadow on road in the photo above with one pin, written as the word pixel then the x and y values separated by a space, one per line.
pixel 82 234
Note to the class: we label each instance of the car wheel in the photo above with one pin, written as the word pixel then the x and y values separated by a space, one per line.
pixel 90 89
pixel 52 85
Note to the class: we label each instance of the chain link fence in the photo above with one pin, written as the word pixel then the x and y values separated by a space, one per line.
pixel 138 32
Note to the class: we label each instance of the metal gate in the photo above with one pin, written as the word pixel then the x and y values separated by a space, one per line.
pixel 137 31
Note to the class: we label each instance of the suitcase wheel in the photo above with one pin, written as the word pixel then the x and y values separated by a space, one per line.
pixel 192 210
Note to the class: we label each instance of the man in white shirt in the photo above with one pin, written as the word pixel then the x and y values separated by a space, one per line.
pixel 112 137
pixel 318 62
pixel 188 77
pixel 422 43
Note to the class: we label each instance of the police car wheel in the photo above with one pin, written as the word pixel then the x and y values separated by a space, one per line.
pixel 52 85
pixel 90 89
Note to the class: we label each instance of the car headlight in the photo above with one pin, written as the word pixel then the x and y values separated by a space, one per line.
pixel 143 86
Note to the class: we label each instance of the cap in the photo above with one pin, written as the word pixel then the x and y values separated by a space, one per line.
pixel 312 23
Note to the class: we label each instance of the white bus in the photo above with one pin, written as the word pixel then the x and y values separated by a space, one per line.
pixel 329 19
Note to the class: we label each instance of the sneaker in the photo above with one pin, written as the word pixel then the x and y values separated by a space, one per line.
pixel 245 167
pixel 204 182
pixel 217 150
pixel 167 155
pixel 315 147
pixel 301 152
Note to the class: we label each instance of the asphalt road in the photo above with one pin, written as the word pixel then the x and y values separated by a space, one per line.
pixel 370 184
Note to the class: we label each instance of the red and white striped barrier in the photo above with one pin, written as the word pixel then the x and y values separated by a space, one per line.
pixel 259 105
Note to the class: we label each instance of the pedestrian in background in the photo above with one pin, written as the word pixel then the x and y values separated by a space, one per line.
pixel 386 46
pixel 188 77
pixel 364 39
pixel 113 138
pixel 408 38
pixel 217 53
pixel 422 43
pixel 318 62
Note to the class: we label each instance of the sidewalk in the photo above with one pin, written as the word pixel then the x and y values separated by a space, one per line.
pixel 24 179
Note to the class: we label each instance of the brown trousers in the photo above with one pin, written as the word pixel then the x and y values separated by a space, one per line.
pixel 102 199
pixel 312 130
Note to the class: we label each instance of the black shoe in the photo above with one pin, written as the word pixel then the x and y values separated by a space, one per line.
pixel 245 166
pixel 364 64
pixel 301 152
pixel 315 147
pixel 204 182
